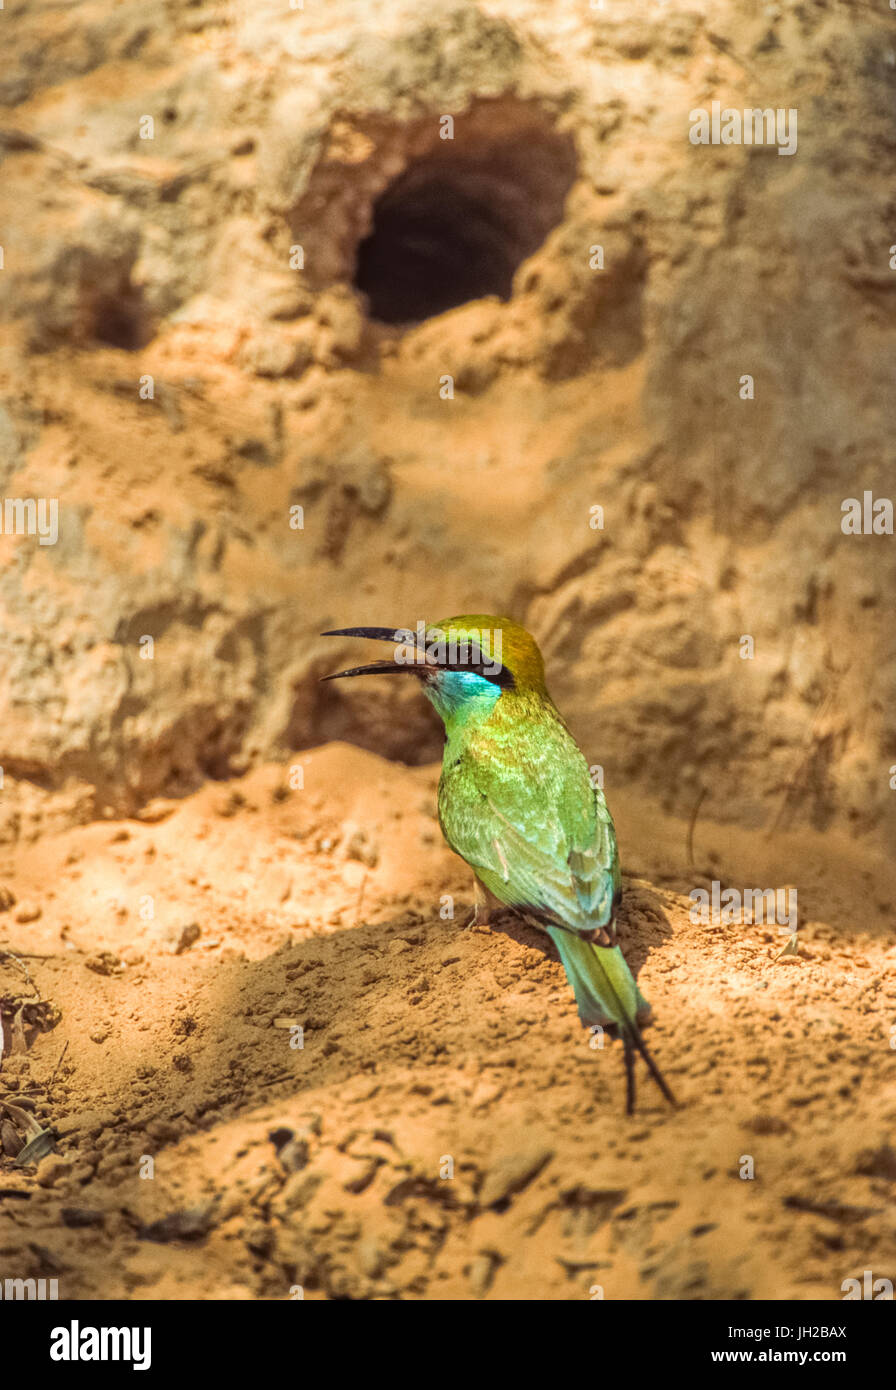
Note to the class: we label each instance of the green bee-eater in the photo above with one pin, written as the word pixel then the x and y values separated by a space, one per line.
pixel 516 801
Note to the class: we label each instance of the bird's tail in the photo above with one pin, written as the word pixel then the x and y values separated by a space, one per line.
pixel 606 993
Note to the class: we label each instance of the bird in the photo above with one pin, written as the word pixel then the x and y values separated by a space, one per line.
pixel 517 802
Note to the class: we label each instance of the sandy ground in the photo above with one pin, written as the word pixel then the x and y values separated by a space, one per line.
pixel 445 1131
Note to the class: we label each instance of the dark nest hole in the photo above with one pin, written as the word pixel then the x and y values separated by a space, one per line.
pixel 119 320
pixel 457 224
pixel 111 309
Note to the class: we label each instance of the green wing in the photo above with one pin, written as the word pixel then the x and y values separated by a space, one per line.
pixel 522 812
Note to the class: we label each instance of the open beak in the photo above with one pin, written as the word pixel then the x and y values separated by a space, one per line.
pixel 399 637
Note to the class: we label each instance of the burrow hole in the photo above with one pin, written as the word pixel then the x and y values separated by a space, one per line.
pixel 459 221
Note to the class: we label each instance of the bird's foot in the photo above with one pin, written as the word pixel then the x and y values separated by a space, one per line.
pixel 479 917
pixel 485 906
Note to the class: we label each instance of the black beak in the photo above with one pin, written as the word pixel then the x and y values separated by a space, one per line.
pixel 418 661
pixel 399 637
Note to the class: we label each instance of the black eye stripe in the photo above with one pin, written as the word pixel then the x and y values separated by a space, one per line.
pixel 502 676
pixel 465 654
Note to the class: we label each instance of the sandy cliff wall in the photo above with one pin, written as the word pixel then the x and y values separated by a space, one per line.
pixel 286 378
